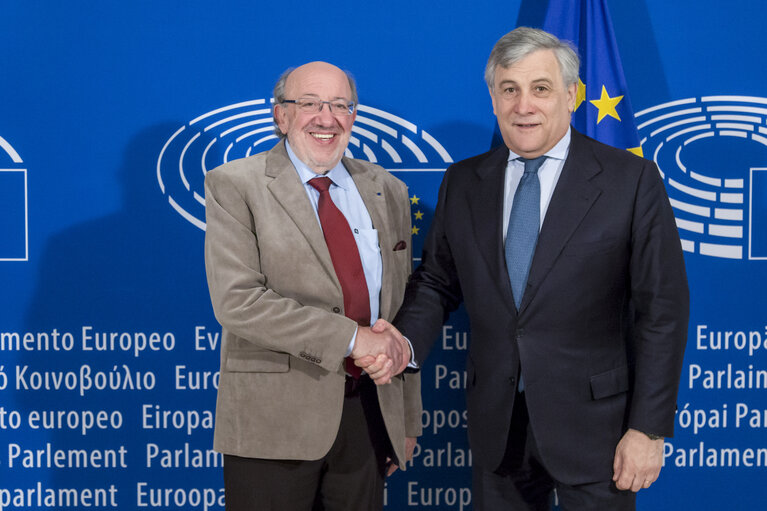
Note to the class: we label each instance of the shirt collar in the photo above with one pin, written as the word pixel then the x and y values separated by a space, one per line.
pixel 558 152
pixel 338 174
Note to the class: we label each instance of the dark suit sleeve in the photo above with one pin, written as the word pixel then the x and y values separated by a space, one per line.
pixel 411 387
pixel 660 300
pixel 433 290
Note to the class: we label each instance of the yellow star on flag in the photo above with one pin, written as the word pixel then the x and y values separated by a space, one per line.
pixel 606 105
pixel 580 93
pixel 414 230
pixel 418 215
pixel 414 199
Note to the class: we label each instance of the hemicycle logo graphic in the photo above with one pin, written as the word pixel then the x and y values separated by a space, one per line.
pixel 244 129
pixel 14 224
pixel 712 155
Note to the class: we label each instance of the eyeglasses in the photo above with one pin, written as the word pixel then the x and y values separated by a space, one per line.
pixel 314 105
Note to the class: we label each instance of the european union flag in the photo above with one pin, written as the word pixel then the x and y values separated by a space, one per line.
pixel 602 107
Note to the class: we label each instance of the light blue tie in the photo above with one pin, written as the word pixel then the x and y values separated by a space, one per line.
pixel 524 222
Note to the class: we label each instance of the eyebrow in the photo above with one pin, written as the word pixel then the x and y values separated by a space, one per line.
pixel 536 81
pixel 316 96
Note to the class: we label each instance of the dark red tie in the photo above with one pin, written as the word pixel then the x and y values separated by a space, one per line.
pixel 346 260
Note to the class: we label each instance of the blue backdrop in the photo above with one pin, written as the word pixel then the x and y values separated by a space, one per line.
pixel 110 113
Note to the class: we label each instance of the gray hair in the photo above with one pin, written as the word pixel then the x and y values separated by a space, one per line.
pixel 279 94
pixel 521 42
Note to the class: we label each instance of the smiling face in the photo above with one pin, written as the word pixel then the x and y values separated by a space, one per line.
pixel 318 139
pixel 532 103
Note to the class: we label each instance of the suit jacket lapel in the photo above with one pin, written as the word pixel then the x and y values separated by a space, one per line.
pixel 573 196
pixel 486 206
pixel 373 195
pixel 290 194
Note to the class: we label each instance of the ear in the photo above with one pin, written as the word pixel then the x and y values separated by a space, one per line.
pixel 572 93
pixel 492 98
pixel 281 118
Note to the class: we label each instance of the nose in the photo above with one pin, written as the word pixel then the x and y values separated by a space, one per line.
pixel 325 114
pixel 524 103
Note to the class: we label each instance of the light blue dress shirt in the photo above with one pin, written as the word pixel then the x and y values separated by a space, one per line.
pixel 348 200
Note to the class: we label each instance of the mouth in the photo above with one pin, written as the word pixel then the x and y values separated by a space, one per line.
pixel 324 137
pixel 526 125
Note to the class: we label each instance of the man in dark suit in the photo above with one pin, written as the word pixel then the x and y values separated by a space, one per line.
pixel 577 338
pixel 304 250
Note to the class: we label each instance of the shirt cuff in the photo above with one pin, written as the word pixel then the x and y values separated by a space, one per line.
pixel 351 344
pixel 412 364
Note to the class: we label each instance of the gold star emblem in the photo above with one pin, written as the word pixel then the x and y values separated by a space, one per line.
pixel 414 199
pixel 414 230
pixel 606 105
pixel 580 93
pixel 418 215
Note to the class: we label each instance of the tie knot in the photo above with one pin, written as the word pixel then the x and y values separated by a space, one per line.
pixel 321 184
pixel 532 165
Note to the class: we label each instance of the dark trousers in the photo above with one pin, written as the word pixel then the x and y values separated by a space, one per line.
pixel 522 483
pixel 350 477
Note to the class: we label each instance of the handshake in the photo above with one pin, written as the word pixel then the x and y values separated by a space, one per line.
pixel 381 351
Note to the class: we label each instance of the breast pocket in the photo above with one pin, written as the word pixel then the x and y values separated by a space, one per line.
pixel 367 240
pixel 370 253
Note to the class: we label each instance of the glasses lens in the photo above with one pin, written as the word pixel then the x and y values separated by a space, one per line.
pixel 308 104
pixel 341 108
pixel 313 105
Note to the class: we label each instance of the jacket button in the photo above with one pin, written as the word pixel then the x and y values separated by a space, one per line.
pixel 512 380
pixel 336 309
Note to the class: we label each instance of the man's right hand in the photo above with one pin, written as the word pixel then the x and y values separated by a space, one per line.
pixel 381 351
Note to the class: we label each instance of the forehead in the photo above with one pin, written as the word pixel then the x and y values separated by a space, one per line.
pixel 538 65
pixel 319 80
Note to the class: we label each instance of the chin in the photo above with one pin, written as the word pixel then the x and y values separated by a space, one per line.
pixel 325 163
pixel 527 145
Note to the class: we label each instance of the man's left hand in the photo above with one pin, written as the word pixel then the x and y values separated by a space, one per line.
pixel 638 461
pixel 409 448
